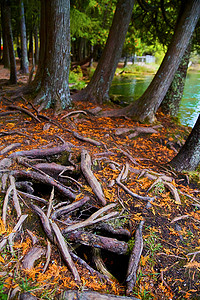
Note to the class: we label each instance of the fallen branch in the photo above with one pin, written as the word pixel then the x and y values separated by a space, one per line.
pixel 64 251
pixel 134 259
pixel 91 179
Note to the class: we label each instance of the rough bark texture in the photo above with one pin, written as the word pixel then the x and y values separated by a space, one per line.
pixel 5 58
pixel 171 102
pixel 8 29
pixel 25 63
pixel 54 60
pixel 98 88
pixel 94 240
pixel 145 107
pixel 188 157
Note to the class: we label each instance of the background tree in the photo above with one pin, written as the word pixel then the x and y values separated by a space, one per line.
pixel 24 58
pixel 9 38
pixel 51 80
pixel 171 102
pixel 98 88
pixel 5 58
pixel 188 158
pixel 144 108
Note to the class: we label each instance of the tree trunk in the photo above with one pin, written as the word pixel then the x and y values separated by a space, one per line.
pixel 98 88
pixel 54 58
pixel 36 45
pixel 30 49
pixel 8 30
pixel 5 58
pixel 144 108
pixel 188 157
pixel 24 59
pixel 171 103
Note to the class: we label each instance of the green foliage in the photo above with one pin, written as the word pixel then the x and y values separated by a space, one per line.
pixel 3 296
pixel 139 69
pixel 76 79
pixel 152 245
pixel 26 284
pixel 80 24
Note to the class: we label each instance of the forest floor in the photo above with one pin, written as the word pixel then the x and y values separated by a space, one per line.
pixel 170 261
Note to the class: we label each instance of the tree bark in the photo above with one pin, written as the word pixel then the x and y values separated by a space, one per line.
pixel 5 58
pixel 171 103
pixel 54 61
pixel 8 29
pixel 36 45
pixel 25 63
pixel 188 157
pixel 144 108
pixel 98 88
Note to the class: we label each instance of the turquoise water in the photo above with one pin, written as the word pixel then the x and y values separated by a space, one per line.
pixel 129 88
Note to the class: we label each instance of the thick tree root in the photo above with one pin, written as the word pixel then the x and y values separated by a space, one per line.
pixel 134 260
pixel 91 179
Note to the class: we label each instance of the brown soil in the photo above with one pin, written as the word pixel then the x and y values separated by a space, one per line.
pixel 170 262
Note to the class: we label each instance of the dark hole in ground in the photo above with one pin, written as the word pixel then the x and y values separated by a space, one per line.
pixel 116 264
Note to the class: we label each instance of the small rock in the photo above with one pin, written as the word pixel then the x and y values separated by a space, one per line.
pixel 75 295
pixel 27 296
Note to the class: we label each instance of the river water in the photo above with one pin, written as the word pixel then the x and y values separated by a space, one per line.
pixel 129 88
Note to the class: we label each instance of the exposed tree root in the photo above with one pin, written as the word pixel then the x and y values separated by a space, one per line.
pixel 134 259
pixel 91 179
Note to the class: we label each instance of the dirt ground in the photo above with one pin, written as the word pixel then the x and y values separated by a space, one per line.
pixel 170 261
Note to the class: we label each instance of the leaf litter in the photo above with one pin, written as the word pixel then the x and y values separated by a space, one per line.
pixel 170 259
